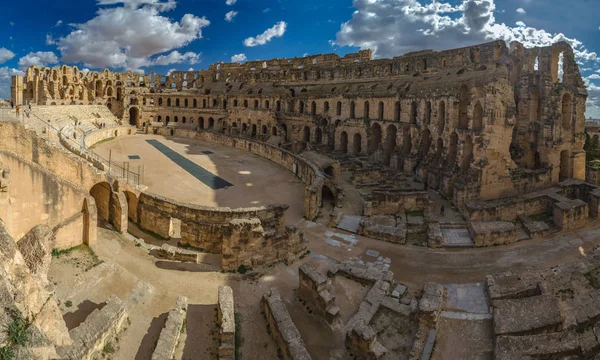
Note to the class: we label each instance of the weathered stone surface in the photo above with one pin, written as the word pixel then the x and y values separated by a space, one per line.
pixel 282 327
pixel 36 248
pixel 226 316
pixel 174 253
pixel 530 315
pixel 169 336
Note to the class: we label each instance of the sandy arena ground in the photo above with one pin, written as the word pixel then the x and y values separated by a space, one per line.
pixel 256 181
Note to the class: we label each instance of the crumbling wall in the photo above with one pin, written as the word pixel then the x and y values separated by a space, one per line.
pixel 315 289
pixel 169 336
pixel 226 317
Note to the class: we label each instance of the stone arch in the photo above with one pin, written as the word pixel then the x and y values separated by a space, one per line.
pixel 253 134
pixel 397 111
pixel 211 123
pixel 390 143
pixel 306 134
pixel 413 112
pixel 101 193
pixel 467 154
pixel 201 122
pixel 134 116
pixel 375 139
pixel 319 136
pixel 357 144
pixel 264 130
pixel 366 109
pixel 169 102
pixel 132 204
pixel 327 198
pixel 425 143
pixel 274 131
pixel 441 116
pixel 463 103
pixel 453 148
pixel 344 142
pixel 313 108
pixel 428 112
pixel 478 116
pixel 565 168
pixel 380 110
pixel 567 111
pixel 339 108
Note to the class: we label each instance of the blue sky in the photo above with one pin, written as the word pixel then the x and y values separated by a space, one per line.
pixel 163 35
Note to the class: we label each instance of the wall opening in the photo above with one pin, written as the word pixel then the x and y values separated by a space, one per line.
pixel 134 116
pixel 375 139
pixel 390 144
pixel 101 194
pixel 344 142
pixel 463 103
pixel 357 144
pixel 413 112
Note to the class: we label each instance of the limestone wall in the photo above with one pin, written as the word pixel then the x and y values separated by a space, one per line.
pixel 226 316
pixel 169 336
pixel 394 202
pixel 282 327
pixel 96 136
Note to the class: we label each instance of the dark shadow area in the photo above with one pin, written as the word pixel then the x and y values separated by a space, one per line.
pixel 202 340
pixel 75 318
pixel 151 338
pixel 189 267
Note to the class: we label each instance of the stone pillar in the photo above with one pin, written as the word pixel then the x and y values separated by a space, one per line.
pixel 118 211
pixel 16 90
pixel 90 221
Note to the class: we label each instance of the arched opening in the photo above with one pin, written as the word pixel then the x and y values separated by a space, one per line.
pixel 167 120
pixel 211 123
pixel 463 103
pixel 274 131
pixel 319 136
pixel 467 154
pixel 195 103
pixel 565 170
pixel 397 111
pixel 278 105
pixel 134 116
pixel 267 104
pixel 352 109
pixel 406 146
pixel 201 122
pixel 357 144
pixel 380 111
pixel 344 142
pixel 375 139
pixel 313 108
pixel 132 203
pixel 109 92
pixel 366 110
pixel 301 107
pixel 169 102
pixel 339 108
pixel 439 150
pixel 441 116
pixel 326 107
pixel 264 130
pixel 453 149
pixel 160 102
pixel 244 128
pixel 478 116
pixel 425 143
pixel 413 112
pixel 390 143
pixel 253 130
pixel 256 104
pixel 327 199
pixel 101 193
pixel 98 88
pixel 567 111
pixel 306 134
pixel 428 112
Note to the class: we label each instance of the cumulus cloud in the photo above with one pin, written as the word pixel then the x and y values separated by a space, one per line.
pixel 5 55
pixel 59 23
pixel 239 58
pixel 175 57
pixel 128 36
pixel 170 71
pixel 391 28
pixel 230 2
pixel 5 80
pixel 521 11
pixel 276 31
pixel 230 15
pixel 39 58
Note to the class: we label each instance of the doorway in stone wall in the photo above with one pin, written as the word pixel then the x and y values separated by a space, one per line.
pixel 175 229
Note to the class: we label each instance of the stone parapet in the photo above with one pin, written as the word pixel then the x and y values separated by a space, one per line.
pixel 169 336
pixel 226 314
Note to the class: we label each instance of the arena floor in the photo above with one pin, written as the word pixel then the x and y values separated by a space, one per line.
pixel 207 174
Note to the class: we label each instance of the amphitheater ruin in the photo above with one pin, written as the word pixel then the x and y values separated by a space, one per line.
pixel 429 206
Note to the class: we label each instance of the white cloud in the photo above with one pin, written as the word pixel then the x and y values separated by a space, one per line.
pixel 230 15
pixel 5 55
pixel 239 58
pixel 391 28
pixel 230 2
pixel 128 36
pixel 594 77
pixel 276 31
pixel 521 11
pixel 170 71
pixel 5 80
pixel 175 57
pixel 266 10
pixel 191 69
pixel 59 23
pixel 50 40
pixel 40 58
pixel 12 23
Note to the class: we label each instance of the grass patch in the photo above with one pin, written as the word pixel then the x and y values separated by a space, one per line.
pixel 108 348
pixel 239 339
pixel 6 353
pixel 57 253
pixel 242 269
pixel 68 303
pixel 414 214
pixel 17 329
pixel 183 326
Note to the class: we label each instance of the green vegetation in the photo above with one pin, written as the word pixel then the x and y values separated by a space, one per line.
pixel 108 348
pixel 183 326
pixel 6 353
pixel 242 269
pixel 57 253
pixel 68 303
pixel 16 333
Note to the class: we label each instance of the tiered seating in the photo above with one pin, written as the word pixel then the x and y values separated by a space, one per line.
pixel 89 116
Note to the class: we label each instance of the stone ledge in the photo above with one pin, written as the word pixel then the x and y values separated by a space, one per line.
pixel 227 322
pixel 169 336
